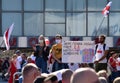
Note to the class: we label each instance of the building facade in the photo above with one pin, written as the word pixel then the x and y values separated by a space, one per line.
pixel 70 18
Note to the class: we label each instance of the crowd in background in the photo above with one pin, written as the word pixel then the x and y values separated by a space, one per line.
pixel 44 65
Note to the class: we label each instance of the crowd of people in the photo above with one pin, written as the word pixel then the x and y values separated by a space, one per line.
pixel 45 65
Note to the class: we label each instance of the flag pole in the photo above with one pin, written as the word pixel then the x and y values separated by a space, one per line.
pixel 100 26
pixel 105 12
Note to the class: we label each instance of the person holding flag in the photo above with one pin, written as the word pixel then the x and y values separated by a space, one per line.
pixel 6 36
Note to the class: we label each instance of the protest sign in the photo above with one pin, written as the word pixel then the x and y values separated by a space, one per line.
pixel 77 51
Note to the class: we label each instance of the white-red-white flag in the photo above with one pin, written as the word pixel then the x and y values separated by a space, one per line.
pixel 6 36
pixel 105 11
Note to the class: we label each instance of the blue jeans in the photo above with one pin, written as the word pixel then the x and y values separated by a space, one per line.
pixel 59 66
pixel 42 64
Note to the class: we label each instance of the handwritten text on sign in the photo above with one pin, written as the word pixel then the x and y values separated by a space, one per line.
pixel 77 51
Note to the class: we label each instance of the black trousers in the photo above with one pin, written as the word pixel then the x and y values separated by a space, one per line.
pixel 100 66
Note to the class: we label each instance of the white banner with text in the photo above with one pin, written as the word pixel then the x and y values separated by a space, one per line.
pixel 77 51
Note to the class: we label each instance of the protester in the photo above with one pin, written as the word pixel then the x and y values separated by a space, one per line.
pixel 41 52
pixel 12 69
pixel 102 73
pixel 30 72
pixel 57 54
pixel 103 80
pixel 29 60
pixel 112 66
pixel 101 51
pixel 50 61
pixel 33 57
pixel 39 79
pixel 51 79
pixel 112 61
pixel 24 59
pixel 118 65
pixel 1 61
pixel 5 66
pixel 84 75
pixel 117 80
pixel 66 75
pixel 18 61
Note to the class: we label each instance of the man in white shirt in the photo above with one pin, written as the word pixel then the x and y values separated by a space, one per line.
pixel 18 61
pixel 101 51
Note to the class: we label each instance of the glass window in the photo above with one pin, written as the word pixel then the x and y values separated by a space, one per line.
pixel 96 24
pixel 8 19
pixel 33 24
pixel 96 5
pixel 53 29
pixel 114 28
pixel 76 24
pixel 11 4
pixel 54 5
pixel 34 5
pixel 76 5
pixel 55 17
pixel 115 5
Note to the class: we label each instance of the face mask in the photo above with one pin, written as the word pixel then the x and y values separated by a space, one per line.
pixel 58 41
pixel 40 41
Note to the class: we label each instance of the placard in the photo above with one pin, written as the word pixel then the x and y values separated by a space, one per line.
pixel 77 51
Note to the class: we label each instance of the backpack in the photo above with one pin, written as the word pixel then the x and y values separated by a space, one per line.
pixel 97 47
pixel 107 57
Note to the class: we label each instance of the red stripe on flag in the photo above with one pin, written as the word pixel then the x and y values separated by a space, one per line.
pixel 6 35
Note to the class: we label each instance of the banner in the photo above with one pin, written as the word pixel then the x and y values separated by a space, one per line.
pixel 77 51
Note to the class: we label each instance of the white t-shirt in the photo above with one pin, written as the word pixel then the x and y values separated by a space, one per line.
pixel 100 52
pixel 18 64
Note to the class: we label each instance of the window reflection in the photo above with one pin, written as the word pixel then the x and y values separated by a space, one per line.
pixel 115 5
pixel 8 19
pixel 33 24
pixel 76 5
pixel 53 29
pixel 76 24
pixel 9 5
pixel 96 4
pixel 67 17
pixel 55 17
pixel 114 28
pixel 33 5
pixel 94 24
pixel 54 5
